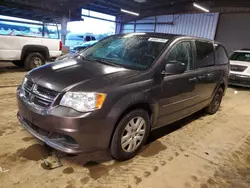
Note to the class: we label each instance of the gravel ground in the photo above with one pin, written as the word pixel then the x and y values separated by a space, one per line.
pixel 199 151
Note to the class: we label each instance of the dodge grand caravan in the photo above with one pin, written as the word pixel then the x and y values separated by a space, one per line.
pixel 113 94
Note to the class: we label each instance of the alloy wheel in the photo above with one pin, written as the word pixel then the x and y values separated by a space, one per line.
pixel 133 134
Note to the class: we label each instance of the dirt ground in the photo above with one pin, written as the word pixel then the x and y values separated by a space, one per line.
pixel 199 151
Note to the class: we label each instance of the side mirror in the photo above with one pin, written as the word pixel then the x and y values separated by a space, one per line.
pixel 174 67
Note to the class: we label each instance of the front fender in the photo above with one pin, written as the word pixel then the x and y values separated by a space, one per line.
pixel 131 100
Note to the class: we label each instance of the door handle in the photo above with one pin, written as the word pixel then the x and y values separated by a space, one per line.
pixel 202 77
pixel 210 75
pixel 192 80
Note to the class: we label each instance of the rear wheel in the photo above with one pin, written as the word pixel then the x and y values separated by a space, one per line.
pixel 216 102
pixel 18 63
pixel 130 135
pixel 34 60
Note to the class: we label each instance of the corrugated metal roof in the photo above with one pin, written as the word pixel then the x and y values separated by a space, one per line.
pixel 199 25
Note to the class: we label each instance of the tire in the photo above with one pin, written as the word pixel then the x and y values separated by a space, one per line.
pixel 34 60
pixel 126 151
pixel 18 63
pixel 215 103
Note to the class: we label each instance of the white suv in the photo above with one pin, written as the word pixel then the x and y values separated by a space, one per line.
pixel 240 68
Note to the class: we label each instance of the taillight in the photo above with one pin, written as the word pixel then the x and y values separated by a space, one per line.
pixel 60 46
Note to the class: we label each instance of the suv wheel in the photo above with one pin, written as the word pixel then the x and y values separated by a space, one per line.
pixel 34 60
pixel 130 135
pixel 215 104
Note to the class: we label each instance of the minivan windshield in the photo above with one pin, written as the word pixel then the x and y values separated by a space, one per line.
pixel 240 56
pixel 132 51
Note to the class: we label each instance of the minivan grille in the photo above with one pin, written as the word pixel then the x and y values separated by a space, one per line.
pixel 38 95
pixel 47 92
pixel 28 85
pixel 238 68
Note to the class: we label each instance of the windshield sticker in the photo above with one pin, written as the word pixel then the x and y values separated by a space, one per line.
pixel 158 40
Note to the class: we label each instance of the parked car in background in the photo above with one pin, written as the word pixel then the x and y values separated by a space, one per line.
pixel 73 39
pixel 240 68
pixel 83 46
pixel 29 52
pixel 114 93
pixel 66 56
pixel 74 53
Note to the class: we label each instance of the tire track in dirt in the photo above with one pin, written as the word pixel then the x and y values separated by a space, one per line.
pixel 234 170
pixel 144 165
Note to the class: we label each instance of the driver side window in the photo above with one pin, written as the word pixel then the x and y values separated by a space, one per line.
pixel 182 53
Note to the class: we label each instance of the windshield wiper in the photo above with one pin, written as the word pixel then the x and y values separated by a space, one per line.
pixel 83 57
pixel 100 61
pixel 107 62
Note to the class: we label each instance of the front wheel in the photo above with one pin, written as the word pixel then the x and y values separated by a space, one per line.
pixel 215 103
pixel 130 135
pixel 34 60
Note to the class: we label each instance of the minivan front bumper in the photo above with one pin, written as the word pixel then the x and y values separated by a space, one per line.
pixel 67 134
pixel 54 143
pixel 239 80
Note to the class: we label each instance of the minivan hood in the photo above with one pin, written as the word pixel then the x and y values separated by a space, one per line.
pixel 67 74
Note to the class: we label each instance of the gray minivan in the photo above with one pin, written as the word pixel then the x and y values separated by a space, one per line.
pixel 113 94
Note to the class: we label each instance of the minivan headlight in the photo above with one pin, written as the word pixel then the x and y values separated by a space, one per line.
pixel 83 101
pixel 248 70
pixel 21 88
pixel 23 83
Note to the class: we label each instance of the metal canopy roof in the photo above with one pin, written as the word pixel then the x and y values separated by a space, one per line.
pixel 53 10
pixel 28 14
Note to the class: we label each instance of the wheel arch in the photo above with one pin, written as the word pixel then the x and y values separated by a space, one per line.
pixel 139 105
pixel 43 50
pixel 144 105
pixel 221 84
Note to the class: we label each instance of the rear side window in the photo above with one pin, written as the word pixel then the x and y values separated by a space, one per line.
pixel 204 54
pixel 220 55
